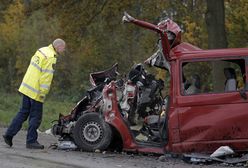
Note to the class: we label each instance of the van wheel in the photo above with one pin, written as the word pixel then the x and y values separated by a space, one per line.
pixel 91 132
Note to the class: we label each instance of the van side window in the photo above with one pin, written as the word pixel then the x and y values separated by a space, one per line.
pixel 216 76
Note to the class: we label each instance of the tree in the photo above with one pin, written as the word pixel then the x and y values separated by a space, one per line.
pixel 190 17
pixel 3 5
pixel 96 39
pixel 215 19
pixel 10 37
pixel 237 23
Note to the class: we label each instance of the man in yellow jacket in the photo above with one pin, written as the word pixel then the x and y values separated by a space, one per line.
pixel 34 88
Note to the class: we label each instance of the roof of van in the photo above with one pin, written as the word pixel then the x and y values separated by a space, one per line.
pixel 186 50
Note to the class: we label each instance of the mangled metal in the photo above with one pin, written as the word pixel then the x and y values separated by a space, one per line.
pixel 177 123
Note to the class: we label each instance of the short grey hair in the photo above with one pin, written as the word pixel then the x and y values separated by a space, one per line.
pixel 58 42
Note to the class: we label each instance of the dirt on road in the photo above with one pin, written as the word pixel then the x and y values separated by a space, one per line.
pixel 20 157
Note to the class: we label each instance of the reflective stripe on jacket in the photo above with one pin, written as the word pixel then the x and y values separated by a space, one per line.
pixel 38 78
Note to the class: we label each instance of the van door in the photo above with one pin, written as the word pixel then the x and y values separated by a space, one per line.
pixel 210 117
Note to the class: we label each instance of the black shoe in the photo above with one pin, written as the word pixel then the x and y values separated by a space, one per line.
pixel 34 145
pixel 8 140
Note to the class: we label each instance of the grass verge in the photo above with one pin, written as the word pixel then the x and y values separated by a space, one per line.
pixel 10 105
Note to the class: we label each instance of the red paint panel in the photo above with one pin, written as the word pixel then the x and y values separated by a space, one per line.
pixel 207 119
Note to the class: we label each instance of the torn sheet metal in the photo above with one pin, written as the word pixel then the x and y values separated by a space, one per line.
pixel 202 158
pixel 65 145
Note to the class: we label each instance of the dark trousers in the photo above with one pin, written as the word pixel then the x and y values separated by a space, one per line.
pixel 29 108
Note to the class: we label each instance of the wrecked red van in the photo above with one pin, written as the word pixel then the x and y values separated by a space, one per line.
pixel 200 113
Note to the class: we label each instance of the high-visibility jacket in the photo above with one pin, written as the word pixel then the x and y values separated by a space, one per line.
pixel 38 78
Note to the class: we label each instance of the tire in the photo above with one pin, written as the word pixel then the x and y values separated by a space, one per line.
pixel 91 133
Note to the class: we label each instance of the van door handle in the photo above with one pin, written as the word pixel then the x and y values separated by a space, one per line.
pixel 243 94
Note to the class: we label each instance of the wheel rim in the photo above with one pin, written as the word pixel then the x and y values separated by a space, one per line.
pixel 92 132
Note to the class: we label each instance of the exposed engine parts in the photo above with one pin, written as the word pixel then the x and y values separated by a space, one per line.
pixel 138 96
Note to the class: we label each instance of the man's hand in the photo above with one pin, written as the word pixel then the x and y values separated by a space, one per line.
pixel 42 96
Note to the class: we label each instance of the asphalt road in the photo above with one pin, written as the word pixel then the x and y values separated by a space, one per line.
pixel 20 157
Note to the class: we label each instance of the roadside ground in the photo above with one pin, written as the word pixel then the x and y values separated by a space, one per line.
pixel 20 157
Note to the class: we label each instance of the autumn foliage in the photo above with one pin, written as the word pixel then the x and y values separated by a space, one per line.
pixel 95 36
